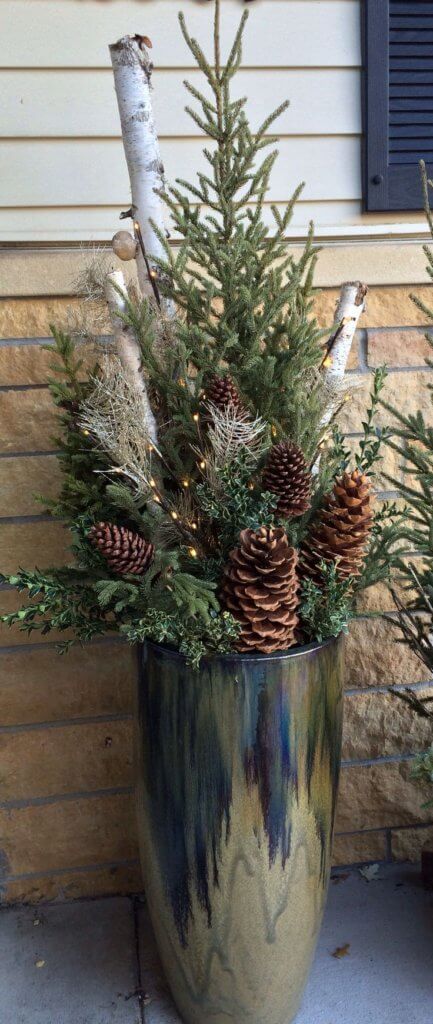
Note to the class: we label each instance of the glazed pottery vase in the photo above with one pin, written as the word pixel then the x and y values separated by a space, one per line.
pixel 238 764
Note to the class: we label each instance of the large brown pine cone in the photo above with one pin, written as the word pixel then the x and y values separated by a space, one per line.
pixel 260 590
pixel 124 550
pixel 342 529
pixel 221 391
pixel 286 475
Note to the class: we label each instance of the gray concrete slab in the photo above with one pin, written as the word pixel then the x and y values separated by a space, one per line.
pixel 92 969
pixel 76 966
pixel 386 976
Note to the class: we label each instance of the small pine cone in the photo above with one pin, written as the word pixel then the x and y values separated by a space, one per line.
pixel 286 475
pixel 124 550
pixel 221 391
pixel 341 532
pixel 260 587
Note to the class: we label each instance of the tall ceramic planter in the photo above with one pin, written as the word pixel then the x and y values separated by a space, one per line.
pixel 238 768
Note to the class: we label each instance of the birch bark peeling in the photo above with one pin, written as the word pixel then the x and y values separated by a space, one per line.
pixel 350 307
pixel 132 69
pixel 126 345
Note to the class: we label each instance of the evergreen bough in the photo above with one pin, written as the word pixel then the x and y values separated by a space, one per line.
pixel 245 309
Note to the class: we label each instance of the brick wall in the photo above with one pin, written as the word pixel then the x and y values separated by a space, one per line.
pixel 66 810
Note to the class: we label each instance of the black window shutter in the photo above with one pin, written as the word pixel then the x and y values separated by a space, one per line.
pixel 398 101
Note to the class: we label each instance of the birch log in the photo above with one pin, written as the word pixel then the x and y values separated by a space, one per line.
pixel 350 307
pixel 132 69
pixel 126 345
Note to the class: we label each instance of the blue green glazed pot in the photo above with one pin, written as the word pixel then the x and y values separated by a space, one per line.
pixel 238 766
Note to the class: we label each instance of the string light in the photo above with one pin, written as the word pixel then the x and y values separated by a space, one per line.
pixel 202 464
pixel 152 482
pixel 328 361
pixel 196 417
pixel 192 552
pixel 185 483
pixel 274 431
pixel 194 526
pixel 86 433
pixel 174 515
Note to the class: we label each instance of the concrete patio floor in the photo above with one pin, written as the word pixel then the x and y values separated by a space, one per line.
pixel 94 961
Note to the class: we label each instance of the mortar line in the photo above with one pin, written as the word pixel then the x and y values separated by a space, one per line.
pixel 66 722
pixel 368 762
pixel 56 798
pixel 356 690
pixel 79 870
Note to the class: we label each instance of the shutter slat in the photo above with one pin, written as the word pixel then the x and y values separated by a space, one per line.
pixel 398 44
pixel 411 145
pixel 421 36
pixel 416 9
pixel 396 22
pixel 413 105
pixel 417 131
pixel 409 117
pixel 416 92
pixel 411 63
pixel 411 77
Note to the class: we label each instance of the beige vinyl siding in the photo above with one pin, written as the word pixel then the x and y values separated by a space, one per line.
pixel 62 171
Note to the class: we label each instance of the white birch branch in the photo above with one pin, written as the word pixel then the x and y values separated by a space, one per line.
pixel 126 345
pixel 132 69
pixel 350 308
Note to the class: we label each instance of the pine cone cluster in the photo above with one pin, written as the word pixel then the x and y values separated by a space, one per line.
pixel 124 550
pixel 260 590
pixel 286 475
pixel 221 392
pixel 341 532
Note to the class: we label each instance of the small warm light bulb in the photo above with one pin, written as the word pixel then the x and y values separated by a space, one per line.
pixel 185 483
pixel 194 526
pixel 193 552
pixel 174 515
pixel 202 464
pixel 152 482
pixel 274 431
pixel 327 361
pixel 196 417
pixel 136 226
pixel 250 486
pixel 153 273
pixel 157 498
pixel 86 433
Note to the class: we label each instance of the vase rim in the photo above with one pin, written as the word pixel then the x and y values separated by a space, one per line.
pixel 291 652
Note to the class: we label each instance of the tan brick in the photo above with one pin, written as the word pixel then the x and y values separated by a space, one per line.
pixel 358 848
pixel 40 686
pixel 379 725
pixel 30 364
pixel 397 348
pixel 118 880
pixel 31 318
pixel 22 479
pixel 387 306
pixel 23 364
pixel 68 834
pixel 373 658
pixel 375 599
pixel 31 544
pixel 27 421
pixel 408 392
pixel 380 796
pixel 408 843
pixel 66 759
pixel 392 306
